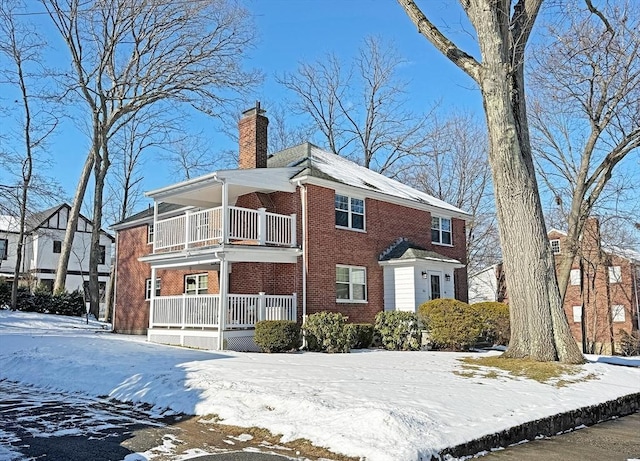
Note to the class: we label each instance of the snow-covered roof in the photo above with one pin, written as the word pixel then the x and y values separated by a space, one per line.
pixel 8 224
pixel 626 253
pixel 325 165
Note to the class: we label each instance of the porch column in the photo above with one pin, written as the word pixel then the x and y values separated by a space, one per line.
pixel 152 297
pixel 225 213
pixel 155 220
pixel 224 301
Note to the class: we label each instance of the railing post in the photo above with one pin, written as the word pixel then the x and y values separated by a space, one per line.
pixel 262 226
pixel 155 224
pixel 294 237
pixel 262 306
pixel 184 308
pixel 226 213
pixel 187 228
pixel 293 315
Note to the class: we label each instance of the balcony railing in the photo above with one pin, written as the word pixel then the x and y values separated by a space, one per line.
pixel 202 311
pixel 206 228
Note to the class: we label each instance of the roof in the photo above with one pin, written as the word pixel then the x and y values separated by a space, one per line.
pixel 404 249
pixel 37 219
pixel 148 213
pixel 318 163
pixel 626 253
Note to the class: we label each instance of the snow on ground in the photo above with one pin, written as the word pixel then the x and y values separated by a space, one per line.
pixel 376 404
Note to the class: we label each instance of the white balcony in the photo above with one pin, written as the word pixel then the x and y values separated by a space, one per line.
pixel 208 228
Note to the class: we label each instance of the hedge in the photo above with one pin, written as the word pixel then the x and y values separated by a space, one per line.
pixel 451 324
pixel 399 331
pixel 277 335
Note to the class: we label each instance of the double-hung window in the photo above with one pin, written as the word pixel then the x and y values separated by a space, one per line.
pixel 351 284
pixel 349 212
pixel 615 274
pixel 197 284
pixel 57 246
pixel 4 248
pixel 555 246
pixel 147 291
pixel 150 234
pixel 441 230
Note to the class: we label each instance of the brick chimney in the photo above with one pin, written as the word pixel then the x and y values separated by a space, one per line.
pixel 252 129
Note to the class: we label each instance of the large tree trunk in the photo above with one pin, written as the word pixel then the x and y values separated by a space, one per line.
pixel 101 166
pixel 536 305
pixel 72 224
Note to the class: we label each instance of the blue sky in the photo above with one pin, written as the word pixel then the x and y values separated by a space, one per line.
pixel 293 31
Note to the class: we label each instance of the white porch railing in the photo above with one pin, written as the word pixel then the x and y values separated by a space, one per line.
pixel 205 228
pixel 201 311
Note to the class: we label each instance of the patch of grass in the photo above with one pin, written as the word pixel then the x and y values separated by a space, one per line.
pixel 557 374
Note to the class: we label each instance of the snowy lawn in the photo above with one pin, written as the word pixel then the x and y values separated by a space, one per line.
pixel 375 404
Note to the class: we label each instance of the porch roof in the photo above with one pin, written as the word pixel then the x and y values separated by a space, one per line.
pixel 404 250
pixel 206 191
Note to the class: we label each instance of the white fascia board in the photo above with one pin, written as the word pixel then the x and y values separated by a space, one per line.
pixel 149 219
pixel 359 192
pixel 183 186
pixel 413 261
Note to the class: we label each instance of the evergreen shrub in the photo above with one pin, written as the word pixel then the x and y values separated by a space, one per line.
pixel 360 335
pixel 277 335
pixel 399 331
pixel 325 332
pixel 496 326
pixel 451 324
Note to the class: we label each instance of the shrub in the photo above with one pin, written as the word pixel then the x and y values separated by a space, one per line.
pixel 629 343
pixel 277 335
pixel 495 320
pixel 451 324
pixel 399 331
pixel 325 332
pixel 359 335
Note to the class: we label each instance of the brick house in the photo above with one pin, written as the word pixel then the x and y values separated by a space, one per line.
pixel 602 296
pixel 300 232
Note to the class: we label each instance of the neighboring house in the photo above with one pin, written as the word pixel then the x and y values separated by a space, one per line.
pixel 301 232
pixel 44 234
pixel 602 296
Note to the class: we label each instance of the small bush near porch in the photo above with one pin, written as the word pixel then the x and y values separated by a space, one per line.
pixel 277 335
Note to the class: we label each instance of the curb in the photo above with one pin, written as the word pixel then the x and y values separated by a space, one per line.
pixel 549 426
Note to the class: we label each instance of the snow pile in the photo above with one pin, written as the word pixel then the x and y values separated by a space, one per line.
pixel 375 404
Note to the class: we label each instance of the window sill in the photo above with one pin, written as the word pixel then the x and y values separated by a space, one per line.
pixel 351 301
pixel 362 231
pixel 443 244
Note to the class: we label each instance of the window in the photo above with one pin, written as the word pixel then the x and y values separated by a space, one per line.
pixel 441 230
pixel 349 212
pixel 555 246
pixel 102 290
pixel 617 312
pixel 574 278
pixel 351 284
pixel 197 284
pixel 102 254
pixel 57 246
pixel 4 248
pixel 147 289
pixel 615 274
pixel 150 234
pixel 577 314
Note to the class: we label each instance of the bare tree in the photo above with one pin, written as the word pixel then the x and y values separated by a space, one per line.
pixel 22 48
pixel 586 115
pixel 361 111
pixel 455 168
pixel 127 55
pixel 539 327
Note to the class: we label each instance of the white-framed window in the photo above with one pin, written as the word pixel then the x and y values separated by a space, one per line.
pixel 147 288
pixel 615 274
pixel 351 284
pixel 349 212
pixel 441 230
pixel 4 248
pixel 574 277
pixel 555 246
pixel 577 314
pixel 150 234
pixel 617 313
pixel 196 284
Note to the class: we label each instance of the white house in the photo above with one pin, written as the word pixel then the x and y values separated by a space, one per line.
pixel 45 232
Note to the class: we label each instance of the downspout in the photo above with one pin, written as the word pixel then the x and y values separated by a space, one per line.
pixel 635 271
pixel 305 267
pixel 115 284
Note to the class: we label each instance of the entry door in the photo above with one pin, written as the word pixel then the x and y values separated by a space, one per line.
pixel 435 285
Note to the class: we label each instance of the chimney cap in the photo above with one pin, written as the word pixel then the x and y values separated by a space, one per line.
pixel 254 110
